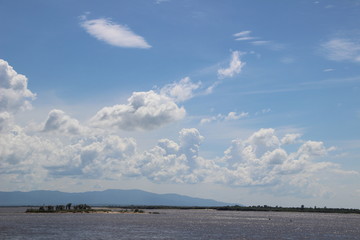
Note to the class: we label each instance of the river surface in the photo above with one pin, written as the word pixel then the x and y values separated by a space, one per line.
pixel 177 224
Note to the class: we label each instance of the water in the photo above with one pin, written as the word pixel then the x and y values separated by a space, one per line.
pixel 178 224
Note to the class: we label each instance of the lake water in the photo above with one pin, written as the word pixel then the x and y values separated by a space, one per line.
pixel 178 224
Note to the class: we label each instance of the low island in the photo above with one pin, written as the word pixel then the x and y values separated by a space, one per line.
pixel 81 208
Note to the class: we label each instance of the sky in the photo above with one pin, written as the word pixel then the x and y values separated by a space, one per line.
pixel 249 102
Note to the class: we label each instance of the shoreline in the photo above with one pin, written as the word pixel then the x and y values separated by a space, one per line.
pixel 134 209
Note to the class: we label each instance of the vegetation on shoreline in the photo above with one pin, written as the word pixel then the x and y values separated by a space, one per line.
pixel 263 208
pixel 81 208
pixel 288 209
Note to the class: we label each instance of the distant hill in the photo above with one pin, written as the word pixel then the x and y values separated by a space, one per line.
pixel 107 197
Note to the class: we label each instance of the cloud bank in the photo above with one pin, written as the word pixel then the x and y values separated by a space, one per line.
pixel 260 161
pixel 284 164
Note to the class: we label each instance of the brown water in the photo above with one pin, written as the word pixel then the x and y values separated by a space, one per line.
pixel 178 224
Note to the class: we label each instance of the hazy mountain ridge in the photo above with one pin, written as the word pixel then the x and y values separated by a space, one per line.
pixel 106 197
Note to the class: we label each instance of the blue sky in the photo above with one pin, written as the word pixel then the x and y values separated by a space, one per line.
pixel 252 102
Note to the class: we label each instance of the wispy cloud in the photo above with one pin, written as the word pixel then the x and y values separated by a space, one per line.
pixel 303 86
pixel 263 111
pixel 235 67
pixel 231 116
pixel 260 42
pixel 242 33
pixel 256 41
pixel 161 1
pixel 342 49
pixel 243 36
pixel 112 33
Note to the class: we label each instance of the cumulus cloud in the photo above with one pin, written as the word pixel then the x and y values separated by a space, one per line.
pixel 235 67
pixel 144 111
pixel 260 160
pixel 14 94
pixel 4 120
pixel 236 116
pixel 114 34
pixel 173 162
pixel 22 157
pixel 59 121
pixel 100 157
pixel 284 164
pixel 290 138
pixel 40 158
pixel 180 91
pixel 342 49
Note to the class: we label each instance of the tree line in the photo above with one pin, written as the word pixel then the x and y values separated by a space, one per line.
pixel 61 208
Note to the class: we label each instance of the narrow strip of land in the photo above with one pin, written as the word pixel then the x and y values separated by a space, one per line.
pixel 254 208
pixel 83 208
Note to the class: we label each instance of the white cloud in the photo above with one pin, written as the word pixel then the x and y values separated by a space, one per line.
pixel 58 121
pixel 260 160
pixel 208 120
pixel 235 67
pixel 231 116
pixel 236 116
pixel 39 158
pixel 260 42
pixel 114 34
pixel 172 162
pixel 287 165
pixel 180 91
pixel 14 94
pixel 242 34
pixel 257 41
pixel 342 49
pixel 290 138
pixel 144 111
pixel 211 88
pixel 4 120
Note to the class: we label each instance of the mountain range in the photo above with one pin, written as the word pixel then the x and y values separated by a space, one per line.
pixel 108 197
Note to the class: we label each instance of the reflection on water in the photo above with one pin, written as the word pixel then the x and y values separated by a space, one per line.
pixel 178 224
